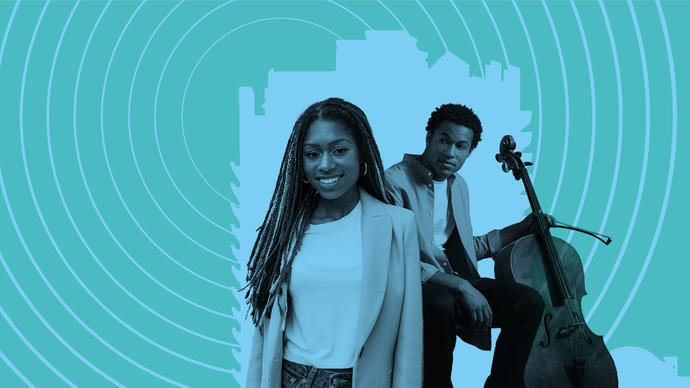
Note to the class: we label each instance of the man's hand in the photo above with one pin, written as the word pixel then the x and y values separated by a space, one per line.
pixel 472 301
pixel 520 229
pixel 476 305
pixel 529 225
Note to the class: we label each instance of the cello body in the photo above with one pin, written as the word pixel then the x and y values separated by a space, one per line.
pixel 565 353
pixel 561 356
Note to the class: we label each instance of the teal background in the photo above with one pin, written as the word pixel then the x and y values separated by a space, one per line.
pixel 120 151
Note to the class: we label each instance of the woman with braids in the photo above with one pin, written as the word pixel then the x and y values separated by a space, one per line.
pixel 334 275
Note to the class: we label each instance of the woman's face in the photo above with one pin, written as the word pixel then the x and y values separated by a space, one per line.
pixel 331 158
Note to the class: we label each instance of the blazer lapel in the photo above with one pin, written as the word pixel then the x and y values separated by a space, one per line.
pixel 377 234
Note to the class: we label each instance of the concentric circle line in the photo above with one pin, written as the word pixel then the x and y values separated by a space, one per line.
pixel 93 255
pixel 198 171
pixel 191 158
pixel 11 365
pixel 445 46
pixel 672 161
pixel 50 153
pixel 592 143
pixel 28 178
pixel 643 173
pixel 160 154
pixel 566 98
pixel 107 228
pixel 172 180
pixel 100 216
pixel 226 34
pixel 59 298
pixel 129 103
pixel 201 174
pixel 351 13
pixel 23 338
pixel 537 153
pixel 392 14
pixel 619 144
pixel 7 30
pixel 203 55
pixel 155 127
pixel 469 34
pixel 31 189
pixel 498 32
pixel 35 310
pixel 136 163
pixel 110 171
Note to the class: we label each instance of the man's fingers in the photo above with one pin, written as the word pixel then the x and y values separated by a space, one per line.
pixel 551 219
pixel 481 318
pixel 474 317
pixel 482 324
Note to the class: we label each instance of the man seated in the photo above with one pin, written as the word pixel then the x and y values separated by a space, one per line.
pixel 456 301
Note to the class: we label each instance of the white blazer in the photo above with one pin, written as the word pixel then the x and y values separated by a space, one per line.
pixel 389 324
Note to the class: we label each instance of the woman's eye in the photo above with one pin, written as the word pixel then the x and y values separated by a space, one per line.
pixel 311 155
pixel 339 151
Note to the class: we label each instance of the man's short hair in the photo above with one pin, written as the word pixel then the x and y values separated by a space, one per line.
pixel 458 114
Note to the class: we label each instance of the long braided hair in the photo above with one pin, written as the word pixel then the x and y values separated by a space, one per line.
pixel 293 202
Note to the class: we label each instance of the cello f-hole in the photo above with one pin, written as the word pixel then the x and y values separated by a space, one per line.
pixel 545 344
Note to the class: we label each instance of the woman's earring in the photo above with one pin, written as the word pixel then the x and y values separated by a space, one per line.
pixel 304 179
pixel 365 169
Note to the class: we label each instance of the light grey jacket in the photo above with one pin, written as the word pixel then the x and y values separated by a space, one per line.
pixel 389 332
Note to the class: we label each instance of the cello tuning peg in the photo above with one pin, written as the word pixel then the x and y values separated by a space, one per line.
pixel 507 144
pixel 518 154
pixel 529 163
pixel 504 166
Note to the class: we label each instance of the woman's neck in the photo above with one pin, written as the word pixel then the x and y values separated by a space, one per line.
pixel 333 209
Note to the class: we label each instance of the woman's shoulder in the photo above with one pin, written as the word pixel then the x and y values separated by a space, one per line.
pixel 398 213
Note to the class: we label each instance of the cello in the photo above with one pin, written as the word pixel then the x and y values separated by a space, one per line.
pixel 565 352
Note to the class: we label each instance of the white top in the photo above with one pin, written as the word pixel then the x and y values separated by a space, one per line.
pixel 443 220
pixel 324 294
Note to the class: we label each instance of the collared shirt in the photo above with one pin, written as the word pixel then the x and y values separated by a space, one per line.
pixel 412 188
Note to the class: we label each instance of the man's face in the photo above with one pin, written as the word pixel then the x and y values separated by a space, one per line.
pixel 447 148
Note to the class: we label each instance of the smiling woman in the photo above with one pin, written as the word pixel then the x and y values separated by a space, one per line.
pixel 334 275
pixel 332 166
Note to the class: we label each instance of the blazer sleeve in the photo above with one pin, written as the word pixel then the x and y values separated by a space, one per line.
pixel 408 356
pixel 487 245
pixel 255 358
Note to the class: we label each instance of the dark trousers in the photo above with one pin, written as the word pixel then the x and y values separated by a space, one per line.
pixel 517 311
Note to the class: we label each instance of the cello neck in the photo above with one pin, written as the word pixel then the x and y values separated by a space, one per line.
pixel 529 190
pixel 563 289
pixel 510 160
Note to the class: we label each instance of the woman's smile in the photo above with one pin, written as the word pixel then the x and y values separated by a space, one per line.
pixel 329 180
